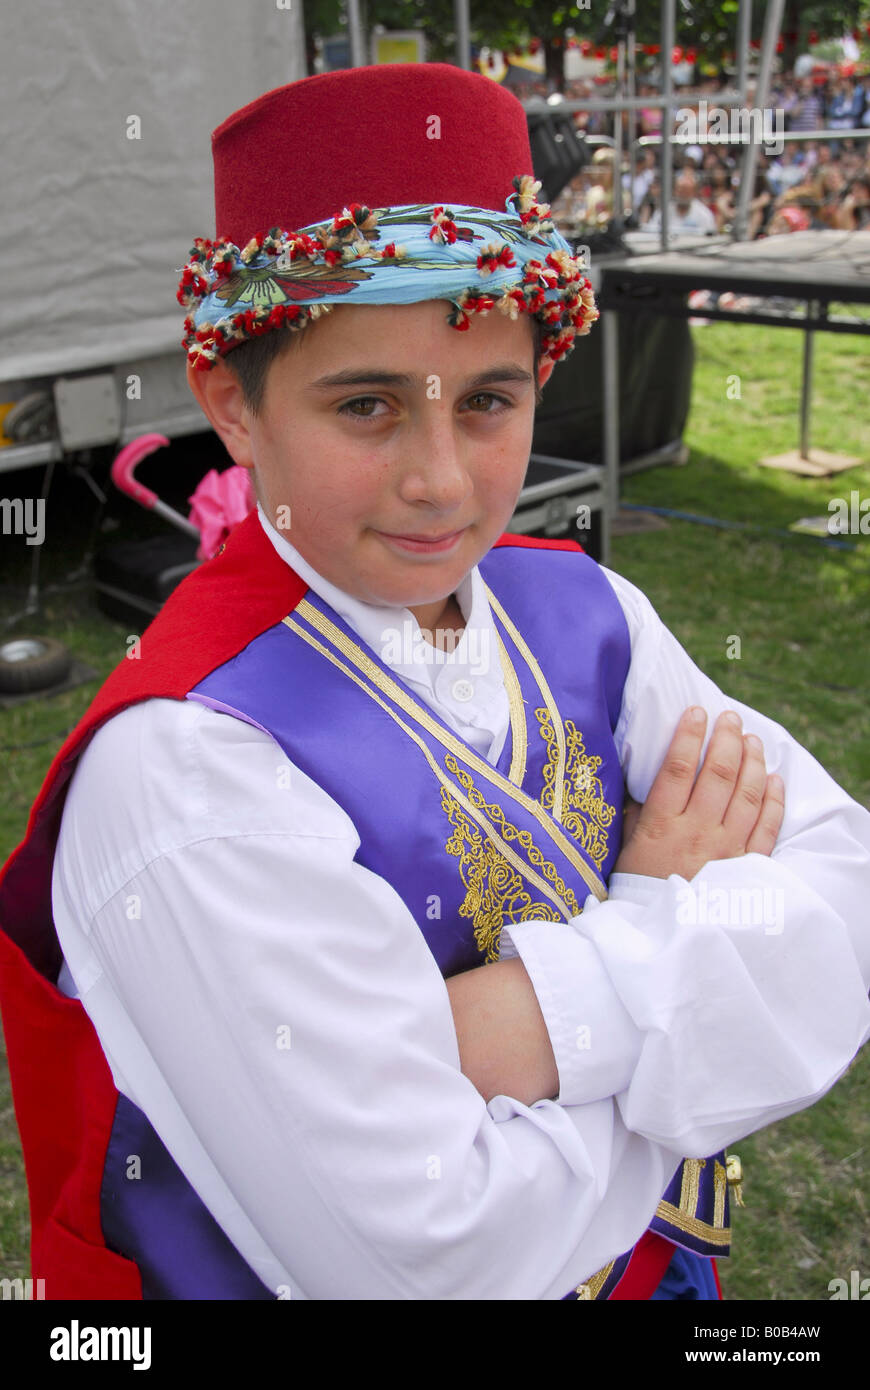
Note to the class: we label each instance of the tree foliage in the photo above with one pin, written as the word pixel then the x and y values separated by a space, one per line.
pixel 709 28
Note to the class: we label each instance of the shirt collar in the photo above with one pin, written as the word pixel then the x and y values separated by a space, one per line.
pixel 394 634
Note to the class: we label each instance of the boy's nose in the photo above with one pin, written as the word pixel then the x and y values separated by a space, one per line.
pixel 437 469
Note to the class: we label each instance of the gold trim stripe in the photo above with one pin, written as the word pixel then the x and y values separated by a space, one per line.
pixel 690 1184
pixel 720 1191
pixel 591 1287
pixel 449 740
pixel 547 694
pixel 519 730
pixel 525 870
pixel 692 1225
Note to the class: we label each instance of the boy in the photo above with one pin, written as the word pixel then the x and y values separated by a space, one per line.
pixel 297 827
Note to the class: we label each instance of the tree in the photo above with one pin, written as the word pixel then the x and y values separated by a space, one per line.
pixel 709 28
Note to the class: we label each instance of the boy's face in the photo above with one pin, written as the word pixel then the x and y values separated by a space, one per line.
pixel 381 423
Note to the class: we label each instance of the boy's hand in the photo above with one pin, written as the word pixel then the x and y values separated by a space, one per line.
pixel 733 808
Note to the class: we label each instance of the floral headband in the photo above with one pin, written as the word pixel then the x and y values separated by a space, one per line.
pixel 434 252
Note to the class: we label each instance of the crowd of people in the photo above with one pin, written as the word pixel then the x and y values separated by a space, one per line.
pixel 811 184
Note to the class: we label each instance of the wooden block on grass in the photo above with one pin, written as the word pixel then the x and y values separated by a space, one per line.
pixel 820 463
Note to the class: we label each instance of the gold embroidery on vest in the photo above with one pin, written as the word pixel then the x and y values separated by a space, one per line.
pixel 562 907
pixel 494 891
pixel 505 896
pixel 406 702
pixel 589 816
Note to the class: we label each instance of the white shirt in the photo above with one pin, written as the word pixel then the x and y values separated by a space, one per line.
pixel 210 914
pixel 639 186
pixel 697 218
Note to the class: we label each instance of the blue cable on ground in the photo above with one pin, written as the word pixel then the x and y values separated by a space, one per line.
pixel 737 525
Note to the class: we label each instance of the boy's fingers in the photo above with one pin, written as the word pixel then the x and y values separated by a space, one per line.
pixel 670 792
pixel 764 837
pixel 744 809
pixel 712 793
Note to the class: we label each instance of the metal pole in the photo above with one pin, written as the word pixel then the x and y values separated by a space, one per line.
pixel 666 49
pixel 355 33
pixel 610 360
pixel 463 33
pixel 772 24
pixel 632 116
pixel 616 185
pixel 807 382
pixel 744 29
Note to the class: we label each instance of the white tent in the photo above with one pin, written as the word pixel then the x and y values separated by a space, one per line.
pixel 98 210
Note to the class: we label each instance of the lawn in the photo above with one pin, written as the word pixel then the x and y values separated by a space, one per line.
pixel 800 609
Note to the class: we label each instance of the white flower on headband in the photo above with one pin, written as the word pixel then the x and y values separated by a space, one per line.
pixel 528 189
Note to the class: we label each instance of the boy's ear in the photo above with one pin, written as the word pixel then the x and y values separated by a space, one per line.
pixel 219 395
pixel 545 370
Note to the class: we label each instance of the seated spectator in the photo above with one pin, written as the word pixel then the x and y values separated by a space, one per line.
pixel 715 192
pixel 650 117
pixel 645 173
pixel 786 171
pixel 819 156
pixel 687 215
pixel 846 106
pixel 599 198
pixel 853 210
pixel 808 198
pixel 806 113
pixel 650 202
pixel 789 218
pixel 568 208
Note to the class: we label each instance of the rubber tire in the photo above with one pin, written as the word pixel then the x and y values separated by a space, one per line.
pixel 47 667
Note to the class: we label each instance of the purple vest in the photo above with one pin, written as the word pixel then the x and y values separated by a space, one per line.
pixel 481 845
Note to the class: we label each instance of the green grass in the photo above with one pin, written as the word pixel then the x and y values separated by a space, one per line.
pixel 801 612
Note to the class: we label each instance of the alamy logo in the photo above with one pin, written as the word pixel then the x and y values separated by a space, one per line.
pixel 731 907
pixel 744 125
pixel 22 1288
pixel 855 1288
pixel 75 1343
pixel 849 516
pixel 23 517
pixel 411 645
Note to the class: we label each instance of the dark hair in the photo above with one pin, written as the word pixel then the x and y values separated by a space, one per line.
pixel 251 361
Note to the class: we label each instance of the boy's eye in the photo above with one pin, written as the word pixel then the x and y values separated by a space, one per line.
pixel 482 401
pixel 366 407
pixel 362 408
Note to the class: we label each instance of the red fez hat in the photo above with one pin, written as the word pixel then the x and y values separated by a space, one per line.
pixel 387 135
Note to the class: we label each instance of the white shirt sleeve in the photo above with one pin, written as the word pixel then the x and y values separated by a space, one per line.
pixel 273 1008
pixel 714 1008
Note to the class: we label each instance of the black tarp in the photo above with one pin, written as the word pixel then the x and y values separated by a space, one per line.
pixel 656 357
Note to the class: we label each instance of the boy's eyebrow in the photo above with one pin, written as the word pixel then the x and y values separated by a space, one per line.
pixel 351 376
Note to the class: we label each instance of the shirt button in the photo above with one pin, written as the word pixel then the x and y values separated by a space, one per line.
pixel 462 690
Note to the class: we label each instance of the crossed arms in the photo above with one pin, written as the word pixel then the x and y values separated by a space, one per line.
pixel 733 808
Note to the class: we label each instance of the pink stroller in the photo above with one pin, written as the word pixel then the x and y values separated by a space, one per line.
pixel 134 578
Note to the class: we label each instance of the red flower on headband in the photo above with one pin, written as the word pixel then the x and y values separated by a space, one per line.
pixel 491 257
pixel 444 228
pixel 280 279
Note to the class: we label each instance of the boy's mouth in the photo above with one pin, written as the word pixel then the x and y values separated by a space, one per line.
pixel 421 544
